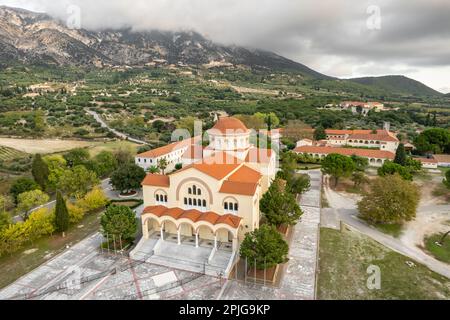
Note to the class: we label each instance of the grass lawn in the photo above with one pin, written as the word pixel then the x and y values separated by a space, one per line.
pixel 31 256
pixel 345 257
pixel 441 253
pixel 394 230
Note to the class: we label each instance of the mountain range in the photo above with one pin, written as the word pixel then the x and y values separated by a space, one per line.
pixel 37 38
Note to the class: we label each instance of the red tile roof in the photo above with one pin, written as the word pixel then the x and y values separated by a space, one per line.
pixel 426 160
pixel 374 136
pixel 245 174
pixel 381 135
pixel 230 125
pixel 156 180
pixel 218 166
pixel 442 158
pixel 194 215
pixel 241 188
pixel 366 153
pixel 158 152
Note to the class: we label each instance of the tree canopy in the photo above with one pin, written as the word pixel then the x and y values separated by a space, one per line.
pixel 61 213
pixel 279 205
pixel 436 140
pixel 40 171
pixel 319 133
pixel 76 182
pixel 390 168
pixel 22 185
pixel 391 199
pixel 447 179
pixel 265 246
pixel 120 222
pixel 127 177
pixel 338 166
pixel 31 199
pixel 400 155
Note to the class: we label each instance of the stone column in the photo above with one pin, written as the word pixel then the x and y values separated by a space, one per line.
pixel 235 244
pixel 215 241
pixel 162 232
pixel 145 230
pixel 196 240
pixel 179 235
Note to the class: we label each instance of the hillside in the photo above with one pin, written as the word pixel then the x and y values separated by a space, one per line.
pixel 39 39
pixel 397 84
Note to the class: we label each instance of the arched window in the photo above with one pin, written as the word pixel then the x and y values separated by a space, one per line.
pixel 194 188
pixel 190 191
pixel 185 201
pixel 157 197
pixel 199 192
pixel 190 201
pixel 236 207
pixel 195 202
pixel 165 199
pixel 204 203
pixel 226 205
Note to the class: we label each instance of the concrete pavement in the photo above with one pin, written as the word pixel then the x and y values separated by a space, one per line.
pixel 299 280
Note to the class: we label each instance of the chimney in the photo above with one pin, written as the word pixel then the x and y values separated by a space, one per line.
pixel 387 126
pixel 216 118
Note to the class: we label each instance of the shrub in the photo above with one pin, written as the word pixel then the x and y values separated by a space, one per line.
pixel 93 200
pixel 76 213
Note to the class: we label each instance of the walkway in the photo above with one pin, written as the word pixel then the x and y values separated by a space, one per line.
pixel 299 281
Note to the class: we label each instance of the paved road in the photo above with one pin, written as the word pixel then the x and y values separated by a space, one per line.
pixel 117 133
pixel 343 210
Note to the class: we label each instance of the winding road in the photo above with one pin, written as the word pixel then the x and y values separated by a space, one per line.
pixel 344 209
pixel 103 124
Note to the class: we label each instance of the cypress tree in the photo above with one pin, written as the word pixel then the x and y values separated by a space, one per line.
pixel 400 155
pixel 61 213
pixel 40 171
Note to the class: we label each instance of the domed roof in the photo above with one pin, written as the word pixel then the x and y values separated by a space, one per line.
pixel 230 124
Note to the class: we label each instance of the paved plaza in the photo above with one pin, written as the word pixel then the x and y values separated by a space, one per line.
pixel 83 272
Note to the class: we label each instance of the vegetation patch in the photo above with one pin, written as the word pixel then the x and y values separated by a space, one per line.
pixel 344 261
pixel 439 251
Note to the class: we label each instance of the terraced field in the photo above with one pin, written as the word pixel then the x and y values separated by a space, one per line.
pixel 14 161
pixel 7 154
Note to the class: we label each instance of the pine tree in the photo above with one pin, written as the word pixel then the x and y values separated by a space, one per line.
pixel 400 155
pixel 40 171
pixel 61 213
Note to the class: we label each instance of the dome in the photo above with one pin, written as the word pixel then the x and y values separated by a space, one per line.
pixel 230 124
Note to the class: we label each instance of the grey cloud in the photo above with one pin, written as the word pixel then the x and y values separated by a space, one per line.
pixel 414 33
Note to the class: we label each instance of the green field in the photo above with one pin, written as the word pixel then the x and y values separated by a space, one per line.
pixel 439 252
pixel 344 261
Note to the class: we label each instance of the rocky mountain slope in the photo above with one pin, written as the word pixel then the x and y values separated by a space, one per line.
pixel 37 38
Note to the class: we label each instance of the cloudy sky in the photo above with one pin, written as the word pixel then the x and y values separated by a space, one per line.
pixel 342 38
